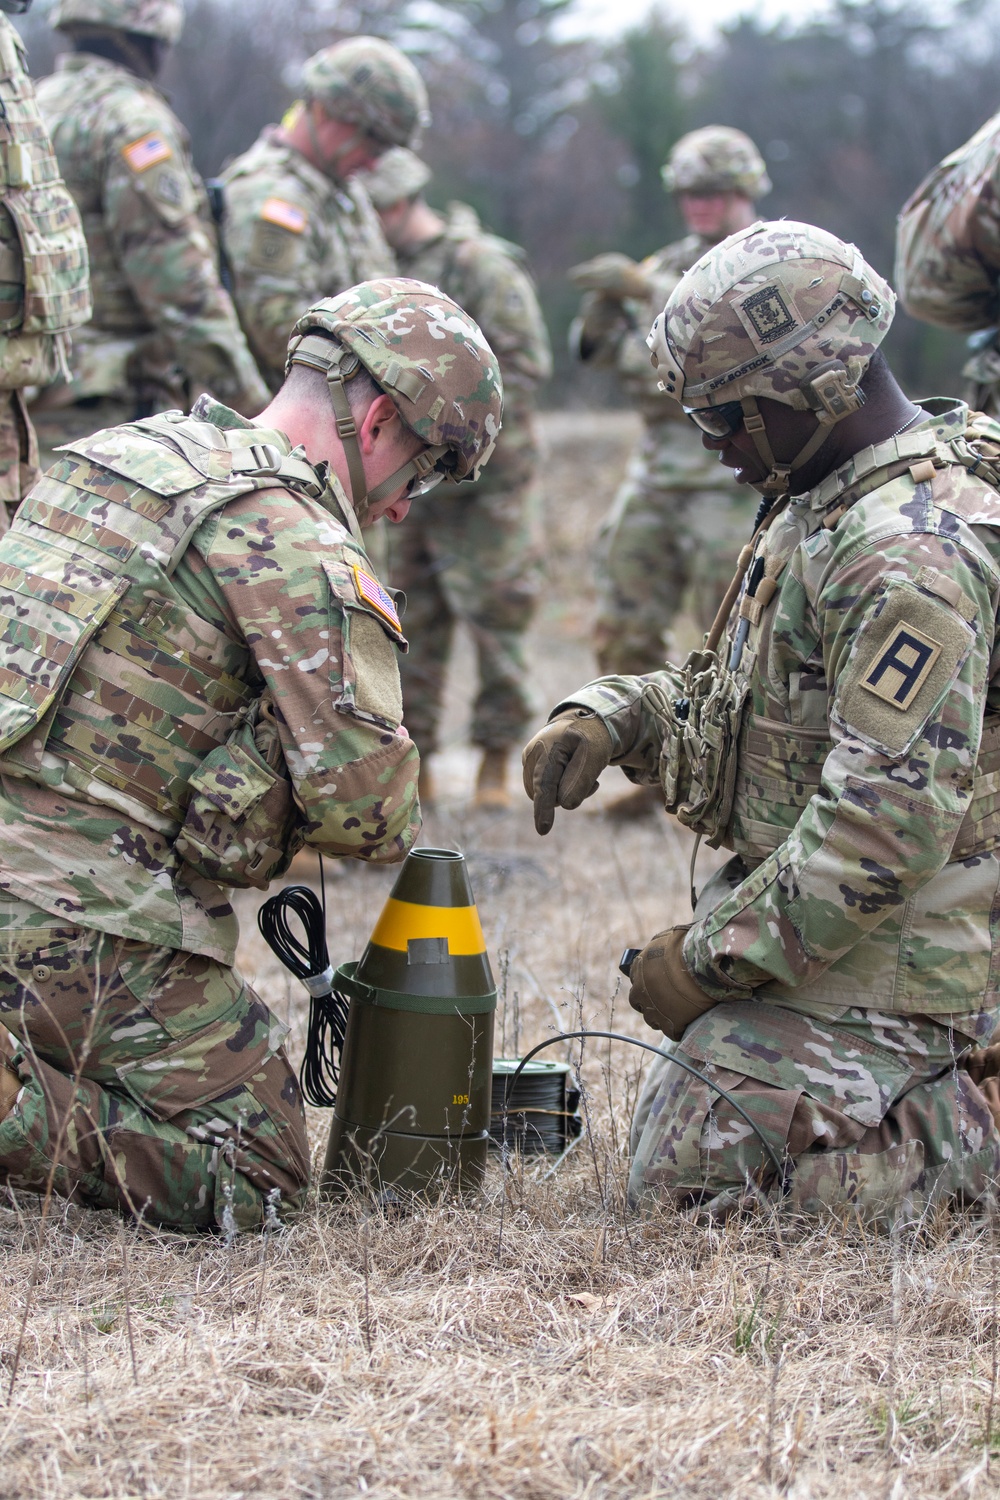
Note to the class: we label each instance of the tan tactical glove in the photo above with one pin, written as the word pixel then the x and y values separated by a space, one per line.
pixel 662 987
pixel 563 761
pixel 612 273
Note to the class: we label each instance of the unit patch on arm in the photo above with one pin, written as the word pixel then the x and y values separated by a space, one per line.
pixel 904 660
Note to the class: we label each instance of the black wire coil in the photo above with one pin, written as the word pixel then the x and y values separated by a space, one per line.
pixel 309 960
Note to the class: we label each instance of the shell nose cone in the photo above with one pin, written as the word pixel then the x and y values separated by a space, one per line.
pixel 428 939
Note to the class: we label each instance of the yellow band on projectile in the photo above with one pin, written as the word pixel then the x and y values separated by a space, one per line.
pixel 402 920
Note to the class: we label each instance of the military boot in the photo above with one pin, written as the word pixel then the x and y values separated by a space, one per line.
pixel 638 802
pixel 983 1066
pixel 426 789
pixel 492 792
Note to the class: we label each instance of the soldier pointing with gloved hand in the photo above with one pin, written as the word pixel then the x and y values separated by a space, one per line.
pixel 839 734
pixel 199 679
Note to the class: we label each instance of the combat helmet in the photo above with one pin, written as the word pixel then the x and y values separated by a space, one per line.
pixel 367 82
pixel 428 356
pixel 782 310
pixel 398 174
pixel 163 19
pixel 716 159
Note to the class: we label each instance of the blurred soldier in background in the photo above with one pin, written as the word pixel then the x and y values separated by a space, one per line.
pixel 677 517
pixel 471 557
pixel 164 329
pixel 295 228
pixel 948 256
pixel 43 265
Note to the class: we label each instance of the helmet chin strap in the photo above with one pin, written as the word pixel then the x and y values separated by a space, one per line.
pixel 779 475
pixel 832 395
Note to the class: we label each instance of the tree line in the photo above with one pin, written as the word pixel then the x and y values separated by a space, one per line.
pixel 557 140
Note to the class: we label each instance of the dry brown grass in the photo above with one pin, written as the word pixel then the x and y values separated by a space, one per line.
pixel 587 1353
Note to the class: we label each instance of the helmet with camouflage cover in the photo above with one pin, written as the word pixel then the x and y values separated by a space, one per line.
pixel 398 174
pixel 163 19
pixel 716 159
pixel 782 310
pixel 367 82
pixel 428 356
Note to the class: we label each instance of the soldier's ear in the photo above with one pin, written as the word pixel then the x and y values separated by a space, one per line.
pixel 380 420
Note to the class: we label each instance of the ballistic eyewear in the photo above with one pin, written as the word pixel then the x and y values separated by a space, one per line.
pixel 718 421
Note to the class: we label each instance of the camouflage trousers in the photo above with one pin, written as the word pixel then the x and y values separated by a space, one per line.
pixel 869 1113
pixel 664 536
pixel 473 560
pixel 155 1081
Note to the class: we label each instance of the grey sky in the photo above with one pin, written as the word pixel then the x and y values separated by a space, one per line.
pixel 605 17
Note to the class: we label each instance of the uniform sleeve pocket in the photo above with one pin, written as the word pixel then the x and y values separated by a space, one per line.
pixel 364 616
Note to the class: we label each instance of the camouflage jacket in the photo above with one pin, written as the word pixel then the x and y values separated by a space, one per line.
pixel 948 241
pixel 293 236
pixel 272 599
pixel 486 276
pixel 613 335
pixel 153 258
pixel 866 744
pixel 43 255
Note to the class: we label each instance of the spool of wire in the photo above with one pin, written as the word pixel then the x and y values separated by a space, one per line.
pixel 542 1116
pixel 305 955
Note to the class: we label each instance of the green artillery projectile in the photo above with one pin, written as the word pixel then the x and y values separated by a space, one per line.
pixel 413 1104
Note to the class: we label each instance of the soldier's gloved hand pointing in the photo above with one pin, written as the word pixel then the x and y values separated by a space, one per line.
pixel 663 989
pixel 563 761
pixel 612 273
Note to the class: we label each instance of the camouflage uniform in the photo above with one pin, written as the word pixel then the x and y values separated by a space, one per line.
pixel 294 233
pixel 948 255
pixel 677 519
pixel 851 939
pixel 474 556
pixel 43 268
pixel 201 680
pixel 163 328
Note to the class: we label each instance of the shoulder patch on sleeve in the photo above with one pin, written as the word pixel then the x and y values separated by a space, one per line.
pixel 902 664
pixel 371 592
pixel 286 215
pixel 147 151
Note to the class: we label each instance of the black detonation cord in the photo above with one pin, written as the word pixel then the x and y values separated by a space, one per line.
pixel 619 1036
pixel 310 962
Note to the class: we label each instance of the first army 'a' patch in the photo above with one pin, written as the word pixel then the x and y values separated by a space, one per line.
pixel 903 662
pixel 903 666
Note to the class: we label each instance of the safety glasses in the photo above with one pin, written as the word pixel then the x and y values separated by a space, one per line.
pixel 422 484
pixel 718 421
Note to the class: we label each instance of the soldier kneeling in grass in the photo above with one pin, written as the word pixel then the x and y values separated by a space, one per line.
pixel 198 678
pixel 840 734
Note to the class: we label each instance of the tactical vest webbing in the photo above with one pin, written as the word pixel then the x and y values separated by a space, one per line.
pixel 101 664
pixel 43 256
pixel 746 778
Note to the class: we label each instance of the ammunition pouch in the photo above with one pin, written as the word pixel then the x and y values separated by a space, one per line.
pixel 700 712
pixel 241 827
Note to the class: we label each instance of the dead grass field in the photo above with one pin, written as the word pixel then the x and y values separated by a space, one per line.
pixel 536 1343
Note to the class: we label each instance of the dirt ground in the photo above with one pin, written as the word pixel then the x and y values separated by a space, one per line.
pixel 536 1342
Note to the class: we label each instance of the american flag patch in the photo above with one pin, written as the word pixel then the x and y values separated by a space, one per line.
pixel 277 211
pixel 147 151
pixel 370 591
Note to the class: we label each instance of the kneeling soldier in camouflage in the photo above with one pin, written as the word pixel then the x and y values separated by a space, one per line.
pixel 841 968
pixel 198 678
